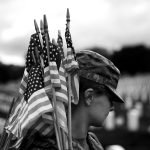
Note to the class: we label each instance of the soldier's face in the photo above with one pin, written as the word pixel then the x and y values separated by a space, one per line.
pixel 99 109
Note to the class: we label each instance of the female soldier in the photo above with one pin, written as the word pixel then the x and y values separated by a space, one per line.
pixel 98 79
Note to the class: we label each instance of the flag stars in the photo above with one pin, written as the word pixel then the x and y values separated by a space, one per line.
pixel 29 58
pixel 60 46
pixel 53 53
pixel 35 81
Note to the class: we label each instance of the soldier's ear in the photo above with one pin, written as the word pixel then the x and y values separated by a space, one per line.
pixel 88 96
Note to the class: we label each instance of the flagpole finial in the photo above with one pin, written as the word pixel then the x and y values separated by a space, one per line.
pixel 68 16
pixel 38 32
pixel 36 26
pixel 42 27
pixel 45 23
pixel 59 32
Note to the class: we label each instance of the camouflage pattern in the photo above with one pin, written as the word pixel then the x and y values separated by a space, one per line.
pixel 99 69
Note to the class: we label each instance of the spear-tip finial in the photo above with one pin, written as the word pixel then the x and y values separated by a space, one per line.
pixel 45 23
pixel 36 26
pixel 42 26
pixel 59 32
pixel 68 16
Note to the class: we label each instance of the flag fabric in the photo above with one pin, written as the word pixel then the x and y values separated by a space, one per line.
pixel 34 41
pixel 54 77
pixel 17 107
pixel 50 66
pixel 47 81
pixel 72 67
pixel 56 54
pixel 34 105
pixel 72 64
pixel 44 125
pixel 61 93
pixel 29 63
pixel 54 65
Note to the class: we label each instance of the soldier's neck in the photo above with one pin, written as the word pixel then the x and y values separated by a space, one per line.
pixel 80 124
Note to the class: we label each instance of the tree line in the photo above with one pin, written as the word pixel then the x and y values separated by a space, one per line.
pixel 129 60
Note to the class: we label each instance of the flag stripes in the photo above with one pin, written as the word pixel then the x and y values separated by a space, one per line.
pixel 61 94
pixel 54 75
pixel 15 111
pixel 33 110
pixel 33 106
pixel 71 64
pixel 72 67
pixel 24 81
pixel 47 81
pixel 38 104
pixel 62 119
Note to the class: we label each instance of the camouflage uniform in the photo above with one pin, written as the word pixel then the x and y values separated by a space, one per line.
pixel 92 142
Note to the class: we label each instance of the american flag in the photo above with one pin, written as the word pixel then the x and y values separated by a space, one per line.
pixel 34 41
pixel 44 125
pixel 50 66
pixel 51 72
pixel 72 64
pixel 35 104
pixel 61 93
pixel 72 67
pixel 54 65
pixel 47 81
pixel 54 78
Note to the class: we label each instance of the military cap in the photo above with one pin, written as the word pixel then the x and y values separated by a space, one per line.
pixel 99 69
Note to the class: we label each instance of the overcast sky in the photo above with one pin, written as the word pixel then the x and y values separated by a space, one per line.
pixel 106 23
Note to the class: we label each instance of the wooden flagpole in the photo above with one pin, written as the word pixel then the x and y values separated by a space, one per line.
pixel 61 130
pixel 38 32
pixel 40 42
pixel 57 128
pixel 69 95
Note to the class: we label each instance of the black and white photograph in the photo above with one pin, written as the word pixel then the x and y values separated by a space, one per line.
pixel 74 75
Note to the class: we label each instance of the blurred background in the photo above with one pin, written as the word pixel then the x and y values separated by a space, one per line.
pixel 120 30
